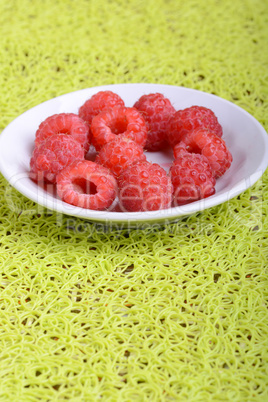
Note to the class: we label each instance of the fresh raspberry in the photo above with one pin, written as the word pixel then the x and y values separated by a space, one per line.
pixel 102 100
pixel 86 184
pixel 64 123
pixel 156 110
pixel 192 178
pixel 192 118
pixel 54 154
pixel 119 121
pixel 118 154
pixel 211 146
pixel 144 186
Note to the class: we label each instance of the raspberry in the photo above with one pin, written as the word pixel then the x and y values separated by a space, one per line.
pixel 192 118
pixel 211 146
pixel 64 123
pixel 86 184
pixel 54 154
pixel 119 121
pixel 118 154
pixel 156 110
pixel 102 100
pixel 144 186
pixel 192 178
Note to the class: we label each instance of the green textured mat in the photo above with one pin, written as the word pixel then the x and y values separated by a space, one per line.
pixel 171 314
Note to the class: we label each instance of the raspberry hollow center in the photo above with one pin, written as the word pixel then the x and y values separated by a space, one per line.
pixel 118 126
pixel 83 186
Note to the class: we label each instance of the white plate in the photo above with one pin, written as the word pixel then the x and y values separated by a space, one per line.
pixel 244 135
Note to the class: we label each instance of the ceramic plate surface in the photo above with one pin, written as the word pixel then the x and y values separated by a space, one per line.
pixel 244 136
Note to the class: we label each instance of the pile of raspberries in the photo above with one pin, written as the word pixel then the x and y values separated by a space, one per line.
pixel 120 178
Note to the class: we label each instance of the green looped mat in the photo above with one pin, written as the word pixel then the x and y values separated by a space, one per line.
pixel 175 313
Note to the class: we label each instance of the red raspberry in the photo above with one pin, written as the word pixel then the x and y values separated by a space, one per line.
pixel 54 154
pixel 192 178
pixel 156 110
pixel 211 146
pixel 118 154
pixel 102 100
pixel 119 121
pixel 144 186
pixel 64 123
pixel 192 118
pixel 86 184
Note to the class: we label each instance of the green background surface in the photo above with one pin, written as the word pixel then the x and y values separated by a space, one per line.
pixel 162 314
